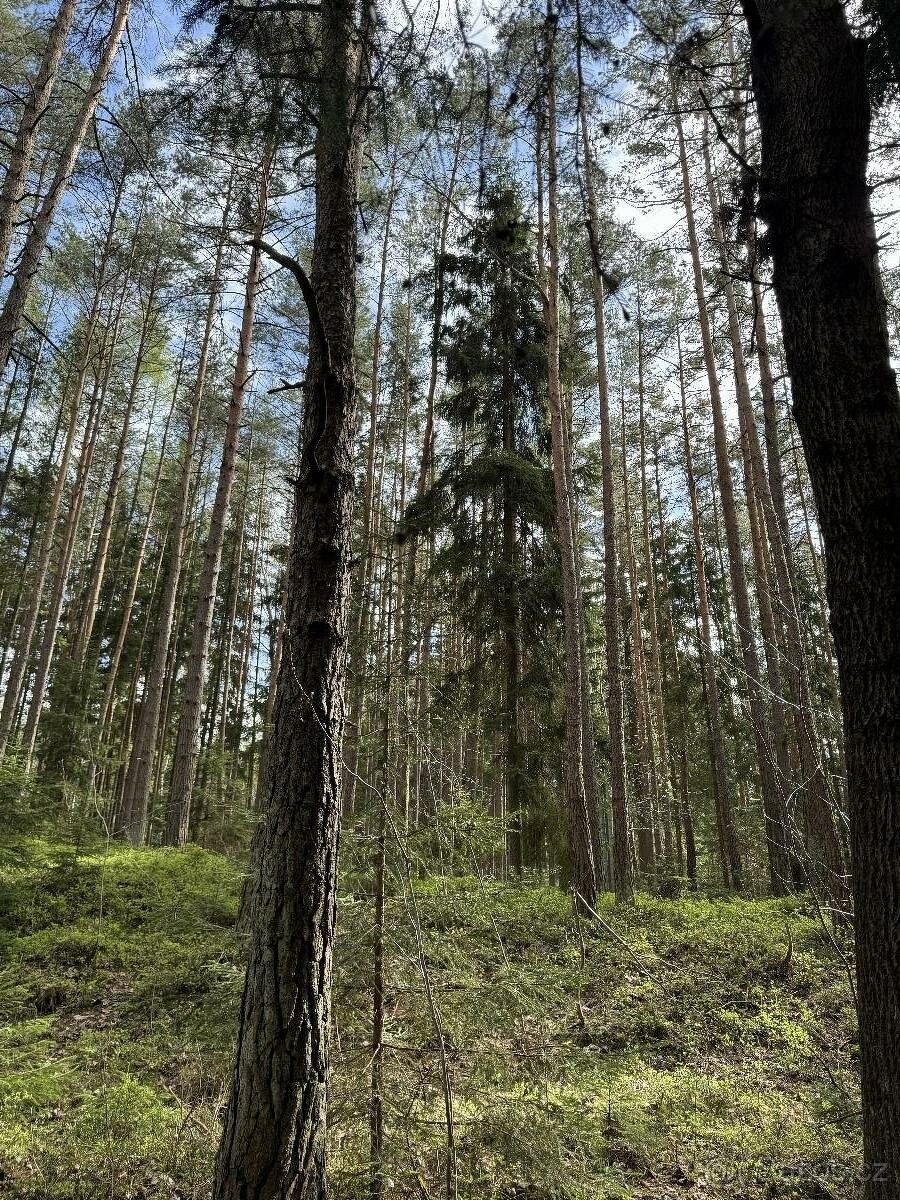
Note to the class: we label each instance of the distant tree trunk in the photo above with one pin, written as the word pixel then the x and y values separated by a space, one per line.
pixel 360 644
pixel 39 90
pixel 366 564
pixel 376 1080
pixel 809 79
pixel 128 600
pixel 588 738
pixel 584 879
pixel 621 854
pixel 646 827
pixel 426 458
pixel 275 654
pixel 232 606
pixel 273 1143
pixel 812 786
pixel 724 805
pixel 665 795
pixel 248 621
pixel 132 815
pixel 184 763
pixel 20 660
pixel 6 474
pixel 511 639
pixel 376 1086
pixel 63 567
pixel 685 845
pixel 772 796
pixel 826 848
pixel 101 554
pixel 21 656
pixel 36 239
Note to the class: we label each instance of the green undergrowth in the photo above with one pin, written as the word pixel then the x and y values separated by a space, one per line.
pixel 691 1047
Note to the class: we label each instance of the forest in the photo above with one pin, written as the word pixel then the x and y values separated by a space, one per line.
pixel 449 599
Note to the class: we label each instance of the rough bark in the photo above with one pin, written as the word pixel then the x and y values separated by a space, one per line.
pixel 273 1143
pixel 810 85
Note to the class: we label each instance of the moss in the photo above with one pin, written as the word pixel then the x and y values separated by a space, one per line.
pixel 671 1044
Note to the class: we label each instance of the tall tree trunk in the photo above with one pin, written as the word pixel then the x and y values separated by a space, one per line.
pixel 722 796
pixel 21 657
pixel 359 649
pixel 511 640
pixel 821 801
pixel 186 743
pixel 809 79
pixel 63 567
pixel 19 666
pixel 101 554
pixel 273 1143
pixel 128 600
pixel 772 795
pixel 248 622
pixel 648 793
pixel 132 819
pixel 664 791
pixel 233 600
pixel 621 854
pixel 584 879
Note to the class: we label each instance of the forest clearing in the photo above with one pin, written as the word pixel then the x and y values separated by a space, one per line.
pixel 449 600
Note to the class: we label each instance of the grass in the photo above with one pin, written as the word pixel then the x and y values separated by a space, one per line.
pixel 690 1047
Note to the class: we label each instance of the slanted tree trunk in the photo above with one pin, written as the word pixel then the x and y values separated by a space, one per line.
pixel 273 1143
pixel 809 79
pixel 36 239
pixel 39 91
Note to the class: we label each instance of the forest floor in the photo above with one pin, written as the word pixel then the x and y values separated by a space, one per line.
pixel 693 1047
